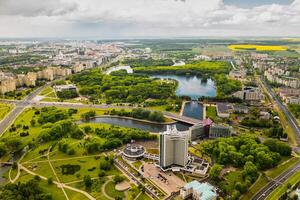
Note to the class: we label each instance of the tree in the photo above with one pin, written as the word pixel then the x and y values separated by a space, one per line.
pixel 3 149
pixel 251 171
pixel 215 172
pixel 88 115
pixel 32 122
pixel 118 179
pixel 87 181
pixel 50 180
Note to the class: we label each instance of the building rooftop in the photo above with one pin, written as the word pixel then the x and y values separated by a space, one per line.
pixel 134 150
pixel 223 107
pixel 207 190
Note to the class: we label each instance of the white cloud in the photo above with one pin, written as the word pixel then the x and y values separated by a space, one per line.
pixel 146 18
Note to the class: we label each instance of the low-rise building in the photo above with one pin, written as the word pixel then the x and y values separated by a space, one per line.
pixel 223 110
pixel 61 88
pixel 198 191
pixel 240 109
pixel 133 152
pixel 249 94
pixel 208 129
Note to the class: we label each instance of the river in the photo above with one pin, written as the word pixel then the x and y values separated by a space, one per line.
pixel 131 123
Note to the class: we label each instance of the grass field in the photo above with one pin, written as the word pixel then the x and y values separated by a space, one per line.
pixel 211 112
pixel 257 47
pixel 4 110
pixel 112 192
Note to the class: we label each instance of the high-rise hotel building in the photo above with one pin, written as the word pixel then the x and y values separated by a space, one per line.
pixel 173 146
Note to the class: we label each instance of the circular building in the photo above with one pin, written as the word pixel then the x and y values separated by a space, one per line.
pixel 133 152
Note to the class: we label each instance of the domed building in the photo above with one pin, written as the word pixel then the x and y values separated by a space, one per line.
pixel 133 152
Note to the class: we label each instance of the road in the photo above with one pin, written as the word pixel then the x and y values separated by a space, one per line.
pixel 289 116
pixel 266 190
pixel 20 105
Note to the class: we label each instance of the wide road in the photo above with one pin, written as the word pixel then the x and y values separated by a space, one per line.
pixel 271 186
pixel 266 190
pixel 289 116
pixel 20 105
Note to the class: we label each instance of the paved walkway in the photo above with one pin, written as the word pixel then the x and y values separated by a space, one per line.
pixel 103 190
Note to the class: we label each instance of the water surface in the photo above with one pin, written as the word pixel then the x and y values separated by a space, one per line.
pixel 131 123
pixel 192 86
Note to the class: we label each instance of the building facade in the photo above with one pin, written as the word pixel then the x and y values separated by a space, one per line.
pixel 173 146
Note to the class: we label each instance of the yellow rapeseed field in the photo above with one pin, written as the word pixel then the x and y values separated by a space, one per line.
pixel 257 47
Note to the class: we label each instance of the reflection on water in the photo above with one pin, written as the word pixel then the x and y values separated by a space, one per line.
pixel 138 124
pixel 192 86
pixel 193 109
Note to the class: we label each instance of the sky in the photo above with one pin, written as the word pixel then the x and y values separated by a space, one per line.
pixel 148 18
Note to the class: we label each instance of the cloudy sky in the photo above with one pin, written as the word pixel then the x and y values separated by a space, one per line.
pixel 148 18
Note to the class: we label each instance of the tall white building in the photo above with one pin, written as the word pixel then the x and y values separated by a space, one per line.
pixel 173 146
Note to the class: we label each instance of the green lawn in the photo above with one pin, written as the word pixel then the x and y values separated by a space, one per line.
pixel 95 190
pixel 211 112
pixel 112 192
pixel 137 164
pixel 24 119
pixel 85 164
pixel 46 91
pixel 72 195
pixel 4 110
pixel 56 192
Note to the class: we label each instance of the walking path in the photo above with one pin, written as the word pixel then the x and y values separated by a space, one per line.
pixel 59 183
pixel 103 190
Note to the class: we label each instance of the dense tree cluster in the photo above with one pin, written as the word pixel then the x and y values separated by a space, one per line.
pixel 88 115
pixel 24 191
pixel 10 145
pixel 226 86
pixel 171 105
pixel 295 109
pixel 279 147
pixel 276 131
pixel 52 115
pixel 148 62
pixel 253 121
pixel 115 137
pixel 140 113
pixel 247 154
pixel 64 147
pixel 237 151
pixel 199 68
pixel 122 88
pixel 61 129
pixel 67 94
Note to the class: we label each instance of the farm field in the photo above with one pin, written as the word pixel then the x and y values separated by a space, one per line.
pixel 257 47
